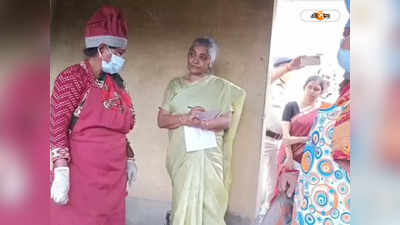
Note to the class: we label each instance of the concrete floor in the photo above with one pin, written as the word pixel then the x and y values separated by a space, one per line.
pixel 145 212
pixel 150 212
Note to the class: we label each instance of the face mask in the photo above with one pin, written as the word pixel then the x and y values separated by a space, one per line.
pixel 344 59
pixel 114 66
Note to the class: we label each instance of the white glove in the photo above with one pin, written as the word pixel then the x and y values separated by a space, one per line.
pixel 131 171
pixel 60 186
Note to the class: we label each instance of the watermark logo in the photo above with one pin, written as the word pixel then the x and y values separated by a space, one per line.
pixel 320 15
pixel 317 15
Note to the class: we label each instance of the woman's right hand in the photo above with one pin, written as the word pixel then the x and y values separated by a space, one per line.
pixel 189 120
pixel 192 121
pixel 60 187
pixel 196 110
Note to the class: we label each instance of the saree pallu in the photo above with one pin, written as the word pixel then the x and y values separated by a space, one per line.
pixel 201 179
pixel 281 204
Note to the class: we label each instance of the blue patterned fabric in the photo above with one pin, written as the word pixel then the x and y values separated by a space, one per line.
pixel 323 192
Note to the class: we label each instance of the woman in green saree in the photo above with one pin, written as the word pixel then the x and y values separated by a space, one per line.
pixel 200 179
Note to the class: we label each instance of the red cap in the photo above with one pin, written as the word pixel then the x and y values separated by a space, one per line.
pixel 107 26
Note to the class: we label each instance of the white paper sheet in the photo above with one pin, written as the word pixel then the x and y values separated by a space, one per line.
pixel 197 139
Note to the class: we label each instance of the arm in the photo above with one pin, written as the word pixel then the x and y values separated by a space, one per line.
pixel 168 121
pixel 288 139
pixel 129 150
pixel 165 119
pixel 65 98
pixel 287 142
pixel 67 92
pixel 221 123
pixel 286 135
pixel 287 116
pixel 278 72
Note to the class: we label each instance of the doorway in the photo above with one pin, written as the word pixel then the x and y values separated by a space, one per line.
pixel 297 31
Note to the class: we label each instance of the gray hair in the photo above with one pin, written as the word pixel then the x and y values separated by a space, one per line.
pixel 211 46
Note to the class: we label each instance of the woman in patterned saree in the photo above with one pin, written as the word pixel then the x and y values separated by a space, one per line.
pixel 323 192
pixel 200 179
pixel 297 120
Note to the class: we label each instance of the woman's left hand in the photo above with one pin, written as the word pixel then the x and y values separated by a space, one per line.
pixel 131 172
pixel 217 124
pixel 204 125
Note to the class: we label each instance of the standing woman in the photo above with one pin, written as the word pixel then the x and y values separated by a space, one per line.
pixel 323 195
pixel 200 179
pixel 91 114
pixel 341 138
pixel 297 119
pixel 323 192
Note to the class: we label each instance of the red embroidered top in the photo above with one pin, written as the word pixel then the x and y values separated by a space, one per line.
pixel 70 88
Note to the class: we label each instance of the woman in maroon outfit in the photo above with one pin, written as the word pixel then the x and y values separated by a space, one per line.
pixel 91 114
pixel 297 121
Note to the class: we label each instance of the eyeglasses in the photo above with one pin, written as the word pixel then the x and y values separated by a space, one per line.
pixel 117 51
